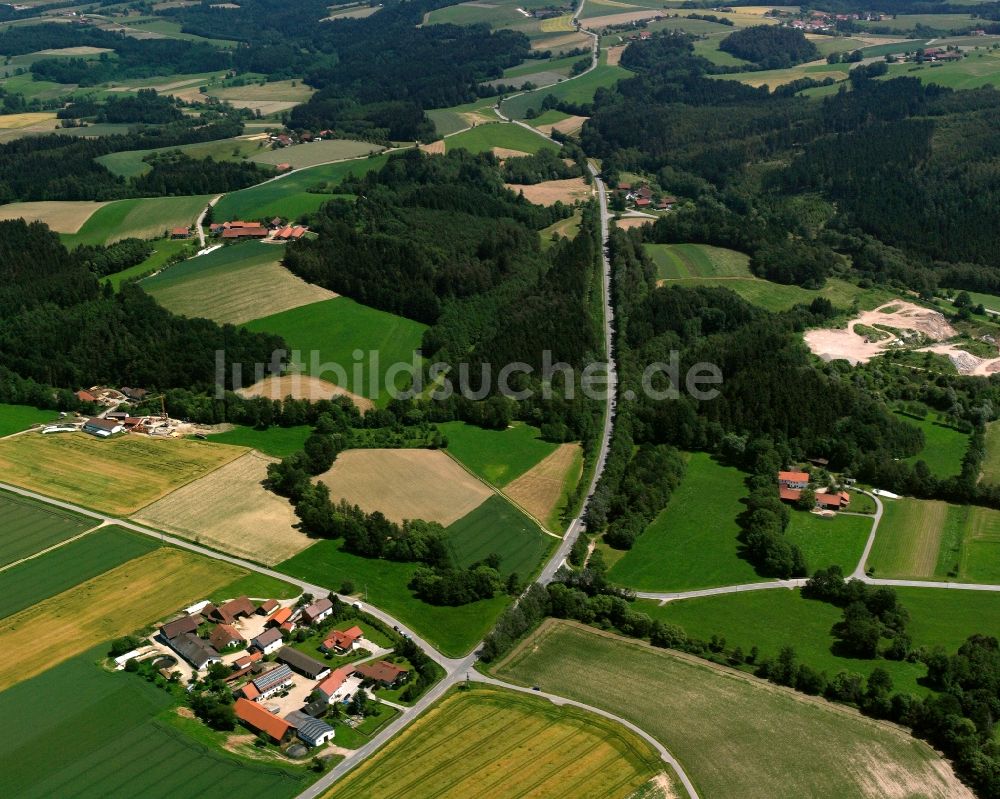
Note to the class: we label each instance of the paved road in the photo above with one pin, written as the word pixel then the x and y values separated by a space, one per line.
pixel 859 570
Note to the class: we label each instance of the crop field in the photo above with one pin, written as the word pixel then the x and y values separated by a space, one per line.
pixel 944 446
pixel 231 511
pixel 15 418
pixel 829 541
pixel 147 218
pixel 278 442
pixel 289 197
pixel 75 562
pixel 556 120
pixel 693 542
pixel 333 329
pixel 506 745
pixel 447 121
pixel 13 121
pixel 500 135
pixel 734 735
pixel 30 526
pixel 557 64
pixel 578 90
pixel 113 741
pixel 500 14
pixel 498 527
pixel 233 285
pixel 497 456
pixel 299 386
pixel 405 484
pixel 317 152
pixel 453 630
pixel 680 261
pixel 139 591
pixel 62 216
pixel 130 163
pixel 991 463
pixel 122 475
pixel 545 490
pixel 941 22
pixel 549 192
pixel 270 98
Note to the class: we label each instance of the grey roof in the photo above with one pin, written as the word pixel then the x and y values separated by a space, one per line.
pixel 301 662
pixel 269 636
pixel 317 607
pixel 194 650
pixel 274 677
pixel 308 728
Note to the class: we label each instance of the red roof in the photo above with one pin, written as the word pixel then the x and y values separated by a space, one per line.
pixel 793 477
pixel 280 616
pixel 244 232
pixel 283 167
pixel 828 500
pixel 789 494
pixel 643 201
pixel 336 678
pixel 380 671
pixel 258 718
pixel 85 396
pixel 342 639
pixel 250 691
pixel 179 231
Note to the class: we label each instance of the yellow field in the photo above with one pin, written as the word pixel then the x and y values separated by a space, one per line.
pixel 12 121
pixel 300 386
pixel 117 602
pixel 231 511
pixel 270 98
pixel 541 489
pixel 63 216
pixel 566 41
pixel 558 24
pixel 486 742
pixel 405 484
pixel 570 126
pixel 118 475
pixel 548 192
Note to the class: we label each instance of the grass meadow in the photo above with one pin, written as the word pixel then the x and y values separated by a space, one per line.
pixel 829 541
pixel 680 261
pixel 165 250
pixel 991 463
pixel 317 152
pixel 453 630
pixel 255 586
pixel 132 163
pixel 693 542
pixel 456 750
pixel 15 418
pixel 278 442
pixel 147 218
pixel 735 735
pixel 483 138
pixel 497 456
pixel 578 90
pixel 944 446
pixel 30 526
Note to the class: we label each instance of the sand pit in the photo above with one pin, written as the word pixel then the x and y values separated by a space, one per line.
pixel 405 484
pixel 63 216
pixel 301 386
pixel 568 126
pixel 855 347
pixel 965 362
pixel 434 148
pixel 548 192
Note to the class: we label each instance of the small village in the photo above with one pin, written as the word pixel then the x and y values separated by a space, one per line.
pixel 825 500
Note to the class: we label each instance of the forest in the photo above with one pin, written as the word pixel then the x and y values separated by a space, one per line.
pixel 770 46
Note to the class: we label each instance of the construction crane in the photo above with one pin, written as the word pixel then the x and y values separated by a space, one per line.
pixel 163 405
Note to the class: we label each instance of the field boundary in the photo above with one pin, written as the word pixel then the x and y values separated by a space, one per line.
pixel 56 545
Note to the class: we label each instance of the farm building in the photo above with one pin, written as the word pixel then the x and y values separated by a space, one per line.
pixel 268 641
pixel 342 641
pixel 280 616
pixel 230 611
pixel 833 500
pixel 291 232
pixel 269 683
pixel 382 672
pixel 102 428
pixel 312 732
pixel 340 685
pixel 267 607
pixel 790 485
pixel 317 611
pixel 225 635
pixel 256 232
pixel 179 233
pixel 303 664
pixel 257 718
pixel 185 624
pixel 247 660
pixel 195 651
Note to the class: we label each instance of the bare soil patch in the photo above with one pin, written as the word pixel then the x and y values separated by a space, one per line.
pixel 965 362
pixel 506 152
pixel 550 191
pixel 629 222
pixel 540 489
pixel 63 216
pixel 615 54
pixel 405 484
pixel 301 386
pixel 434 148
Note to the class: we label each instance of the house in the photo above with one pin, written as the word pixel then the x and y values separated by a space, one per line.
pixel 267 607
pixel 269 683
pixel 118 416
pixel 102 428
pixel 230 611
pixel 134 394
pixel 340 685
pixel 302 663
pixel 644 193
pixel 85 396
pixel 342 641
pixel 622 186
pixel 268 641
pixel 833 500
pixel 642 202
pixel 225 635
pixel 312 732
pixel 257 232
pixel 666 203
pixel 277 222
pixel 382 672
pixel 280 617
pixel 797 480
pixel 317 611
pixel 185 624
pixel 194 650
pixel 247 660
pixel 179 232
pixel 257 718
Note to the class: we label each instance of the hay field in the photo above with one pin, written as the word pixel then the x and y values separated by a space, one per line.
pixel 433 148
pixel 15 121
pixel 63 216
pixel 317 152
pixel 505 745
pixel 543 489
pixel 271 98
pixel 230 510
pixel 549 192
pixel 147 218
pixel 563 24
pixel 909 538
pixel 630 222
pixel 682 261
pixel 117 475
pixel 570 125
pixel 502 136
pixel 614 54
pixel 301 386
pixel 117 602
pixel 561 42
pixel 734 734
pixel 405 484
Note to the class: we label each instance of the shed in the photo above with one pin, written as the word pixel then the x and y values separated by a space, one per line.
pixel 312 732
pixel 302 663
pixel 257 718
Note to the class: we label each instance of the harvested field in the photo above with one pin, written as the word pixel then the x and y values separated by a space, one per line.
pixel 15 121
pixel 434 148
pixel 629 222
pixel 556 44
pixel 625 17
pixel 505 745
pixel 506 152
pixel 570 126
pixel 144 218
pixel 117 475
pixel 405 484
pixel 542 489
pixel 230 510
pixel 549 192
pixel 558 24
pixel 301 386
pixel 63 216
pixel 117 602
pixel 615 54
pixel 317 152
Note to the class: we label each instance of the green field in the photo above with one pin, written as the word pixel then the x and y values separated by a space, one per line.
pixel 131 163
pixel 453 630
pixel 447 121
pixel 777 297
pixel 578 90
pixel 147 218
pixel 28 583
pixel 944 446
pixel 114 740
pixel 679 261
pixel 735 735
pixel 255 586
pixel 693 542
pixel 221 262
pixel 335 329
pixel 909 22
pixel 317 152
pixel 165 250
pixel 30 527
pixel 483 138
pixel 15 418
pixel 828 541
pixel 278 442
pixel 991 463
pixel 976 69
pixel 497 456
pixel 499 527
pixel 709 48
pixel 289 197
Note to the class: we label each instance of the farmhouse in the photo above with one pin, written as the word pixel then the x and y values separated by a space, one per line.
pixel 833 500
pixel 317 611
pixel 185 624
pixel 194 650
pixel 290 232
pixel 340 685
pixel 268 641
pixel 230 611
pixel 342 641
pixel 257 718
pixel 179 233
pixel 102 428
pixel 790 485
pixel 303 664
pixel 312 732
pixel 256 232
pixel 269 683
pixel 386 674
pixel 225 635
